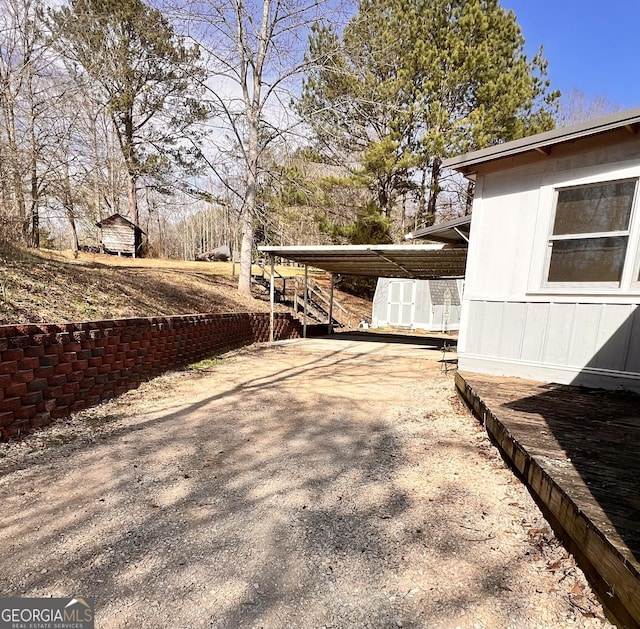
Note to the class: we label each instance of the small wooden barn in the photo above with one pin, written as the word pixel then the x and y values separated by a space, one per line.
pixel 119 236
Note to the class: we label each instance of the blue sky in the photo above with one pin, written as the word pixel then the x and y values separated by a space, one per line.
pixel 592 46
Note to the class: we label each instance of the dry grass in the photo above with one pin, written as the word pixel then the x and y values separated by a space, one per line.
pixel 40 286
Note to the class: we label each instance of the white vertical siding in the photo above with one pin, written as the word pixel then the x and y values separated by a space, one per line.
pixel 613 337
pixel 584 334
pixel 561 340
pixel 535 332
pixel 558 333
pixel 511 338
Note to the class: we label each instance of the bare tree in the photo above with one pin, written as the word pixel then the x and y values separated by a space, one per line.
pixel 25 108
pixel 576 107
pixel 255 56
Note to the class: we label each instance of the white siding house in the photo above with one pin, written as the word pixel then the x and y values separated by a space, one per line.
pixel 553 271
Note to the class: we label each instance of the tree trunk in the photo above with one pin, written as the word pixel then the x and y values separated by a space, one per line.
pixel 133 198
pixel 250 201
pixel 34 239
pixel 246 248
pixel 471 186
pixel 421 215
pixel 434 190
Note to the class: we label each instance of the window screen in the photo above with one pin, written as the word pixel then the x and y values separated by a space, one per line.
pixel 591 233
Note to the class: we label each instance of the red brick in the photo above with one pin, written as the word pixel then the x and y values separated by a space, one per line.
pixel 57 381
pixel 6 419
pixel 10 404
pixel 75 376
pixel 34 352
pixel 32 398
pixel 60 411
pixel 43 372
pixel 87 383
pixel 24 376
pixel 25 412
pixel 16 390
pixel 29 363
pixel 39 384
pixel 52 393
pixel 80 365
pixel 10 366
pixel 65 400
pixel 63 368
pixel 50 360
pixel 13 354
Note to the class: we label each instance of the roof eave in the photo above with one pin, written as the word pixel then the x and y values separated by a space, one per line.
pixel 543 142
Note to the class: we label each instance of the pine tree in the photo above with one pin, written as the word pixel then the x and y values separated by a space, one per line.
pixel 411 82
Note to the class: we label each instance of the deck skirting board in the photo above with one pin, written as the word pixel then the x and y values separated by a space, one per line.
pixel 614 578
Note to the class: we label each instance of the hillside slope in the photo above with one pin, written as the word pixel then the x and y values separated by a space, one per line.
pixel 38 286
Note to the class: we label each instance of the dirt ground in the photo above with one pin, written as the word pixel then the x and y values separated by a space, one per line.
pixel 309 484
pixel 39 286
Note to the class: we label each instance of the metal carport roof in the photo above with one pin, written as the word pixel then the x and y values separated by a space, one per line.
pixel 423 262
pixel 452 232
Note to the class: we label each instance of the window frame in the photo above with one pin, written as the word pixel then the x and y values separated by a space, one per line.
pixel 631 264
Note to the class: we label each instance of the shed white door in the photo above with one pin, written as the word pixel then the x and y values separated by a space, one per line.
pixel 401 302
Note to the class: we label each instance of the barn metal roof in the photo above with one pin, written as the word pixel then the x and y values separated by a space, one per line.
pixel 403 261
pixel 544 142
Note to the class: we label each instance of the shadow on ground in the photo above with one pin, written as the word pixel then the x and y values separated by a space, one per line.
pixel 266 495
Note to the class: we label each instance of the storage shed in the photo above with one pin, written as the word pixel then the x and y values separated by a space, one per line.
pixel 120 236
pixel 431 305
pixel 553 270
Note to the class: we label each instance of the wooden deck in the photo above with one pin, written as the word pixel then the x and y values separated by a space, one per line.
pixel 578 451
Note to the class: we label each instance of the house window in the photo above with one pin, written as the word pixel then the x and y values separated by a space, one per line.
pixel 591 233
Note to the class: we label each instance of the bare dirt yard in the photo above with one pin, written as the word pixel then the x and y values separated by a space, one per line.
pixel 304 485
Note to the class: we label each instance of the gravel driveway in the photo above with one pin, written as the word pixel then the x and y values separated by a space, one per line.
pixel 303 485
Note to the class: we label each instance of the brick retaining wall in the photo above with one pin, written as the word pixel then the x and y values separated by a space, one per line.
pixel 49 371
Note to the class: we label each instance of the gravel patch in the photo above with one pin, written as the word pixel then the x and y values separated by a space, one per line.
pixel 303 485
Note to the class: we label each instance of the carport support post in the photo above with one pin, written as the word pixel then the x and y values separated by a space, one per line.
pixel 305 298
pixel 272 293
pixel 330 326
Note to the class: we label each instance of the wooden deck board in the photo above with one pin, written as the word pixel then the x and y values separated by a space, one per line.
pixel 579 452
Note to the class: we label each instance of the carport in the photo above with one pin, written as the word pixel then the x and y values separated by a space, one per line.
pixel 419 261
